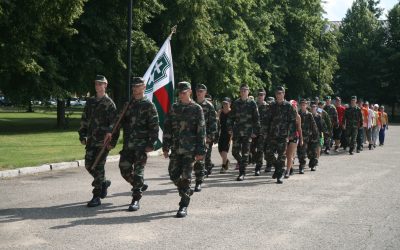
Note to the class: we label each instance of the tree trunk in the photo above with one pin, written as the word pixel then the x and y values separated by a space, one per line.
pixel 30 109
pixel 60 113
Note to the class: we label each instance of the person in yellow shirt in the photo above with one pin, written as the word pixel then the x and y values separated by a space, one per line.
pixel 385 125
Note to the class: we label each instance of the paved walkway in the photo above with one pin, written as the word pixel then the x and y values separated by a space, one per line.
pixel 350 202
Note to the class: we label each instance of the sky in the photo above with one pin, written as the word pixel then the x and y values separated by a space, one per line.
pixel 336 9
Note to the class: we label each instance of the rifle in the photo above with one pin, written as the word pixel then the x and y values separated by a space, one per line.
pixel 116 126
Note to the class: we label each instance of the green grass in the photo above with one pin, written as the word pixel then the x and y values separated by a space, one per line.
pixel 30 139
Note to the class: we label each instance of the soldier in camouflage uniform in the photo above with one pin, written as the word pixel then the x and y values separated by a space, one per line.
pixel 333 116
pixel 310 136
pixel 243 124
pixel 184 134
pixel 278 126
pixel 140 124
pixel 257 145
pixel 328 126
pixel 322 130
pixel 97 123
pixel 210 117
pixel 352 121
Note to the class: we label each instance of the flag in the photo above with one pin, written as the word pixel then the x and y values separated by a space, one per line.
pixel 159 79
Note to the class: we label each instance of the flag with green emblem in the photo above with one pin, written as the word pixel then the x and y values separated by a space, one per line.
pixel 159 79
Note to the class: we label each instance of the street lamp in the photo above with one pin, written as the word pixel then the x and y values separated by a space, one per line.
pixel 324 30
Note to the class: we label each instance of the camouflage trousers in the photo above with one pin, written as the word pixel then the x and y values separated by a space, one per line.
pixel 328 139
pixel 257 151
pixel 351 135
pixel 308 149
pixel 240 151
pixel 201 166
pixel 277 146
pixel 180 172
pixel 98 172
pixel 131 166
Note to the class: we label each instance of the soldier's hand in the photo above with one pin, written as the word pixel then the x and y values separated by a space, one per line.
pixel 230 132
pixel 109 147
pixel 83 142
pixel 148 149
pixel 199 157
pixel 253 136
pixel 107 138
pixel 165 153
pixel 301 142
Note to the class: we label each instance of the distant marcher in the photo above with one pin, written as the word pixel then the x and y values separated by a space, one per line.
pixel 292 144
pixel 97 123
pixel 224 140
pixel 352 121
pixel 385 125
pixel 333 115
pixel 376 125
pixel 338 132
pixel 244 125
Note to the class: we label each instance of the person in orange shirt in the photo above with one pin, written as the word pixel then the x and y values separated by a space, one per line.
pixel 384 125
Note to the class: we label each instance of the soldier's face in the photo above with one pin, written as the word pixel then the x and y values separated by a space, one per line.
pixel 261 97
pixel 244 93
pixel 138 89
pixel 353 103
pixel 226 105
pixel 303 106
pixel 328 102
pixel 100 87
pixel 185 95
pixel 201 94
pixel 279 95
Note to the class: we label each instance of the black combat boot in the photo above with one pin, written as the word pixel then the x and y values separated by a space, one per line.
pixel 134 206
pixel 257 170
pixel 327 151
pixel 197 187
pixel 351 151
pixel 94 202
pixel 268 168
pixel 240 177
pixel 301 169
pixel 104 187
pixel 182 212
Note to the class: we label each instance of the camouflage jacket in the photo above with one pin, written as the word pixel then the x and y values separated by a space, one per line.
pixel 210 118
pixel 262 109
pixel 321 125
pixel 327 121
pixel 98 118
pixel 353 117
pixel 309 127
pixel 244 120
pixel 333 115
pixel 279 121
pixel 140 124
pixel 184 129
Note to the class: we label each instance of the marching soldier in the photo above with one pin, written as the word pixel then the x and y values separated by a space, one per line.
pixel 352 121
pixel 278 127
pixel 140 123
pixel 257 145
pixel 97 123
pixel 243 124
pixel 184 135
pixel 327 127
pixel 333 115
pixel 310 138
pixel 210 118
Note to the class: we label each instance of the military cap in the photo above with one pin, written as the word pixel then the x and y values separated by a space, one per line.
pixel 279 88
pixel 244 86
pixel 261 91
pixel 303 101
pixel 201 87
pixel 227 100
pixel 321 103
pixel 328 97
pixel 183 86
pixel 354 97
pixel 100 78
pixel 137 81
pixel 316 99
pixel 313 103
pixel 270 99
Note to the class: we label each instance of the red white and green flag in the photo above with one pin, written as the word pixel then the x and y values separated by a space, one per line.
pixel 159 79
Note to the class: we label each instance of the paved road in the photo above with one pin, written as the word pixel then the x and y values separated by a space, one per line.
pixel 350 202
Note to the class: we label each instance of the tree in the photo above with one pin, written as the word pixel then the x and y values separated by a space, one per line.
pixel 361 58
pixel 30 29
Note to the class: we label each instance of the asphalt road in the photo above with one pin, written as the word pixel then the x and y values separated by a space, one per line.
pixel 350 202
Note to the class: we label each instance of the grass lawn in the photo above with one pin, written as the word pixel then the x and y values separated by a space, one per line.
pixel 30 139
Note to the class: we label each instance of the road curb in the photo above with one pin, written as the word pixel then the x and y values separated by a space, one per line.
pixel 57 166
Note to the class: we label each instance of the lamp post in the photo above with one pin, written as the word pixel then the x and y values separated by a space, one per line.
pixel 324 30
pixel 129 45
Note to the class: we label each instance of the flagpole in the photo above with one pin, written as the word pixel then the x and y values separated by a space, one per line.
pixel 129 48
pixel 173 31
